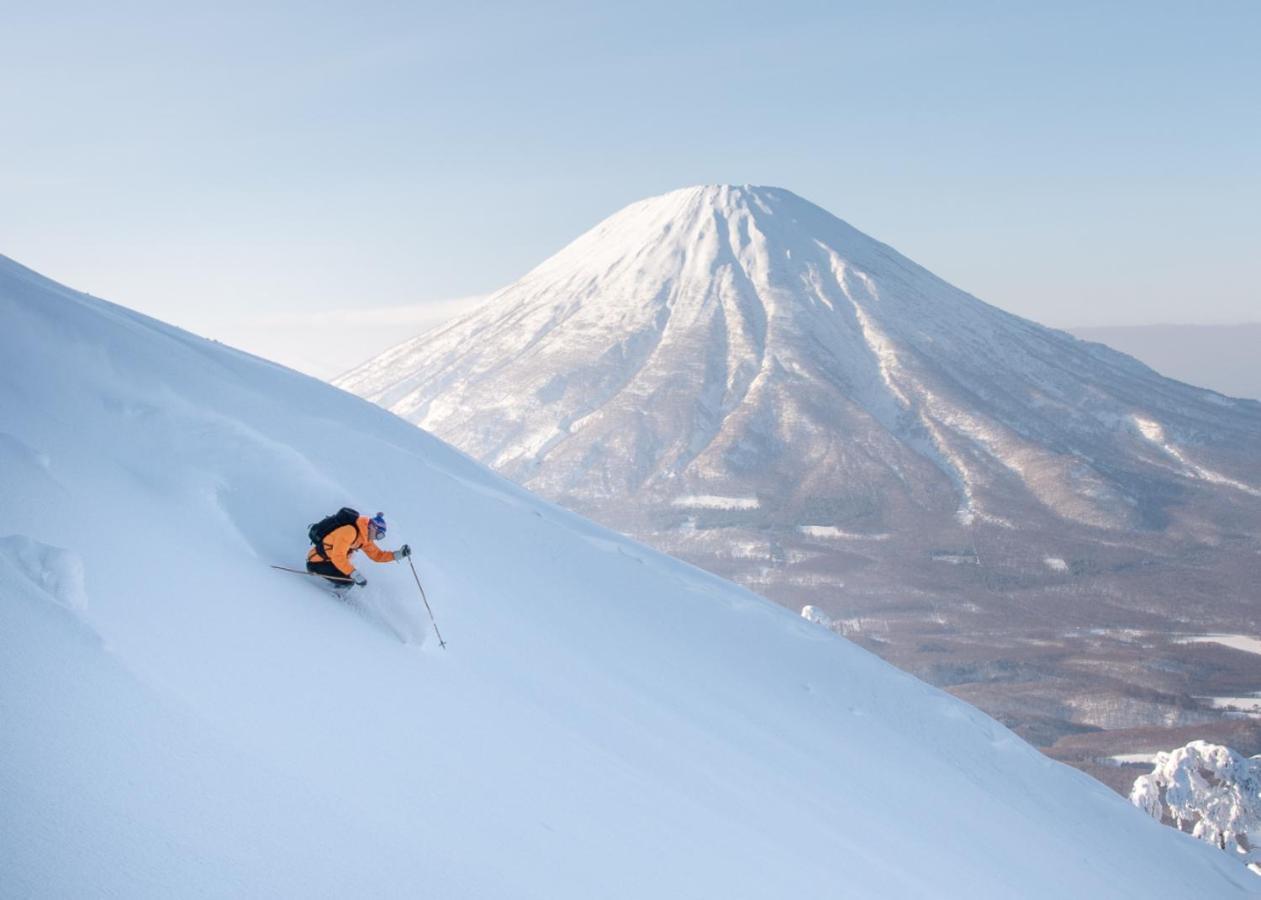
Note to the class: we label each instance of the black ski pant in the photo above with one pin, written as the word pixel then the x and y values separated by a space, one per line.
pixel 330 571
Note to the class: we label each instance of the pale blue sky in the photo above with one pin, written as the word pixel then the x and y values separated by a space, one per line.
pixel 229 165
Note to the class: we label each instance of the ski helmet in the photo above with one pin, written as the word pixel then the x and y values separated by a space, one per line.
pixel 377 523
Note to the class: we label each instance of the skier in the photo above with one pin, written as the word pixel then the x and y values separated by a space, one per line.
pixel 335 538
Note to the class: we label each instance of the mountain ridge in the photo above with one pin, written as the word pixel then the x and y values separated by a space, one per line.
pixel 1216 356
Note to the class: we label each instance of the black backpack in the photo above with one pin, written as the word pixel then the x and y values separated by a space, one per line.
pixel 328 524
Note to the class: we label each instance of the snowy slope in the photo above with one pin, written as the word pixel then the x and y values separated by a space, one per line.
pixel 180 720
pixel 741 379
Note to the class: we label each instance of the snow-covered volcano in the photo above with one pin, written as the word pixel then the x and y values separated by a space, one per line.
pixel 722 338
pixel 177 719
pixel 742 379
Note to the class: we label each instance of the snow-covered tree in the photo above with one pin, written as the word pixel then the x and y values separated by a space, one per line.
pixel 1208 791
pixel 816 615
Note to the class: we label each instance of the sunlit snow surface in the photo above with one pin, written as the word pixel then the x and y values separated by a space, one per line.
pixel 179 720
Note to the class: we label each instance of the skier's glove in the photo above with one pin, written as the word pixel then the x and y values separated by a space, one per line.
pixel 357 577
pixel 404 551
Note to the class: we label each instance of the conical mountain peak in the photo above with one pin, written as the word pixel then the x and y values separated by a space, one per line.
pixel 694 233
pixel 724 332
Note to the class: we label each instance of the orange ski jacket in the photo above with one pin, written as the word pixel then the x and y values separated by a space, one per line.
pixel 341 542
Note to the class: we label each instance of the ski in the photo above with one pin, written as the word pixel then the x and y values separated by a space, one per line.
pixel 314 574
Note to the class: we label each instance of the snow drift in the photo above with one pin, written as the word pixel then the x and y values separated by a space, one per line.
pixel 177 719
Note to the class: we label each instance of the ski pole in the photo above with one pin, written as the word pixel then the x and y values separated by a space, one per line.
pixel 441 642
pixel 313 574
